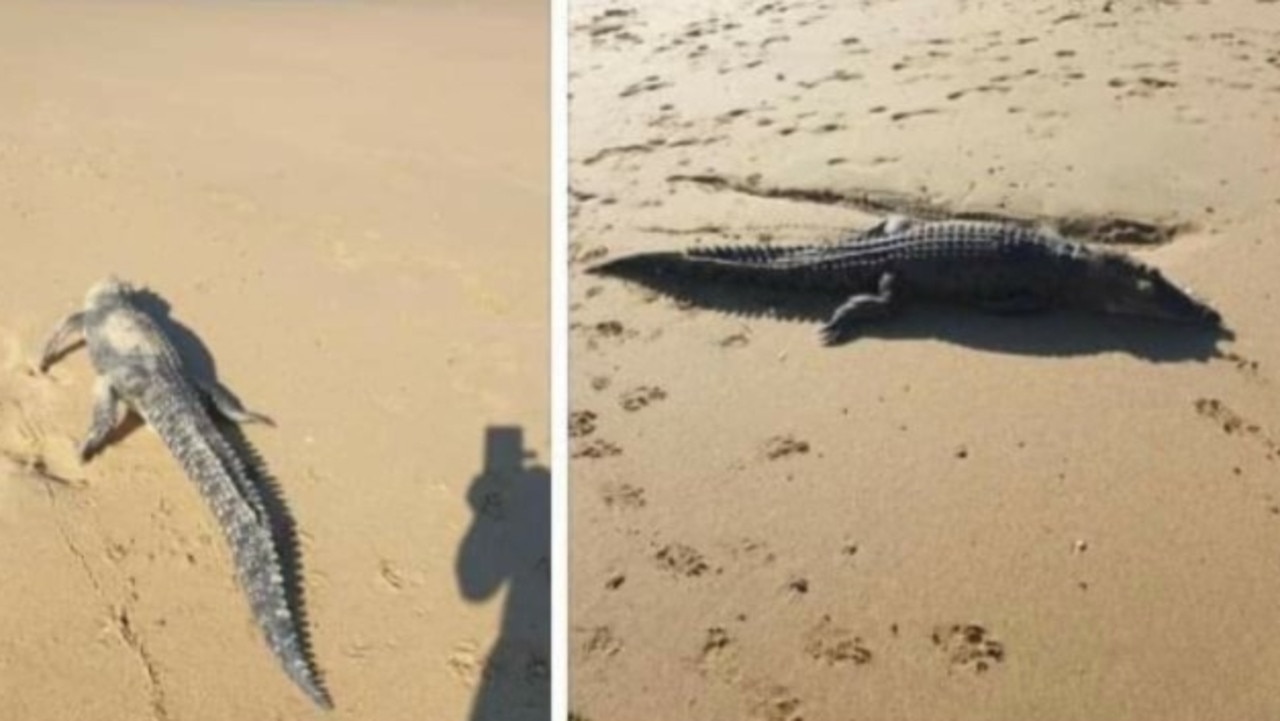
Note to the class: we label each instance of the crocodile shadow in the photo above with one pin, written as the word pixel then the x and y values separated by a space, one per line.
pixel 1050 333
pixel 200 364
pixel 509 542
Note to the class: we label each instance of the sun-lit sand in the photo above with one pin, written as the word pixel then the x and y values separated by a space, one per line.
pixel 954 516
pixel 346 203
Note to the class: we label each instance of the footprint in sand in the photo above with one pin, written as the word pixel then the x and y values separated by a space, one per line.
pixel 907 114
pixel 782 446
pixel 640 397
pixel 624 496
pixel 647 85
pixel 580 256
pixel 835 645
pixel 465 663
pixel 718 657
pixel 1233 423
pixel 1250 368
pixel 582 424
pixel 968 646
pixel 607 330
pixel 774 702
pixel 798 586
pixel 681 560
pixel 601 641
pixel 598 448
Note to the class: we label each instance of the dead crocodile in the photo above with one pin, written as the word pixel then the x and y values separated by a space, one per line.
pixel 999 267
pixel 138 365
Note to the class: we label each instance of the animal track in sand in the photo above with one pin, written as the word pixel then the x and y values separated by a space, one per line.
pixel 907 114
pixel 582 424
pixel 798 586
pixel 774 702
pixel 623 496
pixel 610 28
pixel 780 446
pixel 608 330
pixel 579 256
pixel 717 657
pixel 465 663
pixel 605 153
pixel 681 560
pixel 1142 87
pixel 647 85
pixel 752 550
pixel 1250 368
pixel 640 397
pixel 390 575
pixel 835 645
pixel 968 646
pixel 598 448
pixel 601 641
pixel 838 76
pixel 1233 423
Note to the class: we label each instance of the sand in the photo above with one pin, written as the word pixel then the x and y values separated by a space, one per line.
pixel 955 516
pixel 346 203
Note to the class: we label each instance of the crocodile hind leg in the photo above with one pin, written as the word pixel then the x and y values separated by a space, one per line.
pixel 106 415
pixel 229 407
pixel 70 325
pixel 858 309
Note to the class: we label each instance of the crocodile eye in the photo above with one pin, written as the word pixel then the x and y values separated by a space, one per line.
pixel 1145 285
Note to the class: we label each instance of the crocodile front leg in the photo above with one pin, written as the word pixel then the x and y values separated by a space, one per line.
pixel 70 325
pixel 230 408
pixel 106 415
pixel 859 308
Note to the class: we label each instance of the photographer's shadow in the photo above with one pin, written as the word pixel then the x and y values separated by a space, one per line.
pixel 509 542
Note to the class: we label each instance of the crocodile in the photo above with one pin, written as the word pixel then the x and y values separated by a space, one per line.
pixel 137 364
pixel 1000 267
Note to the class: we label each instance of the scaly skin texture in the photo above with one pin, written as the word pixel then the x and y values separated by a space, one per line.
pixel 1000 267
pixel 138 365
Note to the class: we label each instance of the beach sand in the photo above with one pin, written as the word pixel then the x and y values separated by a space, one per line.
pixel 346 203
pixel 955 516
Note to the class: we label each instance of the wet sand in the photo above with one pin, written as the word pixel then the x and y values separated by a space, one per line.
pixel 346 204
pixel 954 516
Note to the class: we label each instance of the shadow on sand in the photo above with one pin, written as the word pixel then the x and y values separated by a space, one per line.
pixel 509 543
pixel 1065 333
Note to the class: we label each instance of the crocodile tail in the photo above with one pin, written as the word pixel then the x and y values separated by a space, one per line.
pixel 260 574
pixel 643 265
pixel 696 262
pixel 266 489
pixel 208 460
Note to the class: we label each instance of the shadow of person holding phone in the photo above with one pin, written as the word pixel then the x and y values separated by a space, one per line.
pixel 509 543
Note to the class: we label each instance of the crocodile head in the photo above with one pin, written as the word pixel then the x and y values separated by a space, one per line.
pixel 1121 285
pixel 106 290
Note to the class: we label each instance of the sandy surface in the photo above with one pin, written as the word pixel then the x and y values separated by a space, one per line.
pixel 955 516
pixel 346 204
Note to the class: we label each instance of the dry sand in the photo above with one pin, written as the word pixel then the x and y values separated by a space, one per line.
pixel 955 516
pixel 346 203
